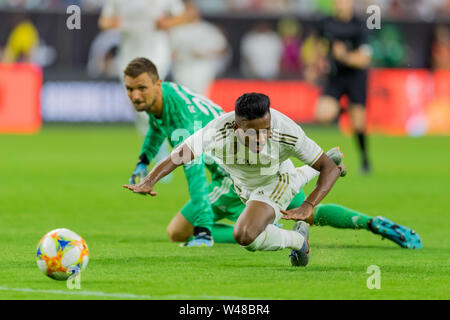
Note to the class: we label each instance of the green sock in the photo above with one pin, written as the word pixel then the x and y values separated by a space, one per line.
pixel 223 233
pixel 340 217
pixel 297 200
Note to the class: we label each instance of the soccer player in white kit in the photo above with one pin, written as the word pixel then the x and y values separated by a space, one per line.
pixel 139 22
pixel 254 144
pixel 199 48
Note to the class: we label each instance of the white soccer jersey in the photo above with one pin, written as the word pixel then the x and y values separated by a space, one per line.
pixel 250 170
pixel 197 47
pixel 201 38
pixel 140 37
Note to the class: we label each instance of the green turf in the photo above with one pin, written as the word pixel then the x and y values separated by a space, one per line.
pixel 70 176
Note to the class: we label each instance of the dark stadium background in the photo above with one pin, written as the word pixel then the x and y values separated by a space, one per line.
pixel 413 23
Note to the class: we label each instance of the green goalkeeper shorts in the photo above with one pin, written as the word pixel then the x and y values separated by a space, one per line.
pixel 226 203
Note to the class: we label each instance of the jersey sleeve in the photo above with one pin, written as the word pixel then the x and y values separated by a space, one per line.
pixel 109 8
pixel 326 31
pixel 363 37
pixel 363 40
pixel 305 148
pixel 152 142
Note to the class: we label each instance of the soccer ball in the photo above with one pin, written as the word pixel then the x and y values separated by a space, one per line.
pixel 62 253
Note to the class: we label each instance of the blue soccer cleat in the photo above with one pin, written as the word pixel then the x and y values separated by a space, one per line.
pixel 201 240
pixel 403 236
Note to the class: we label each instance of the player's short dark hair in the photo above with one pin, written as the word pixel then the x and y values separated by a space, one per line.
pixel 138 66
pixel 252 106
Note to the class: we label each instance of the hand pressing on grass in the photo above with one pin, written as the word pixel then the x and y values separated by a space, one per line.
pixel 179 156
pixel 145 187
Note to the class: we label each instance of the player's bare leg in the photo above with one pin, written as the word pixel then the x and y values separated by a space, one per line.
pixel 327 109
pixel 358 117
pixel 252 222
pixel 179 228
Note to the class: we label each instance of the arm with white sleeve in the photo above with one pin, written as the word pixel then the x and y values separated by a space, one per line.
pixel 193 147
pixel 179 156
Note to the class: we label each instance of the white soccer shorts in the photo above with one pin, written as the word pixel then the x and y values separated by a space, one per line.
pixel 277 194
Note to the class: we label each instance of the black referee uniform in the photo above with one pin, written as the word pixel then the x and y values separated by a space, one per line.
pixel 342 78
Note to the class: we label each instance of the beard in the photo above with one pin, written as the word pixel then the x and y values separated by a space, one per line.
pixel 147 107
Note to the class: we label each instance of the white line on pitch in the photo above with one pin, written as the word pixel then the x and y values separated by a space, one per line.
pixel 126 295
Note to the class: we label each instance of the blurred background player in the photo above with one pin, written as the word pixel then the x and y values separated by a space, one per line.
pixel 103 55
pixel 22 41
pixel 261 52
pixel 349 58
pixel 291 34
pixel 198 49
pixel 143 26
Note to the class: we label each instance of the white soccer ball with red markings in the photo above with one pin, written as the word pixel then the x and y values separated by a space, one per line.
pixel 62 253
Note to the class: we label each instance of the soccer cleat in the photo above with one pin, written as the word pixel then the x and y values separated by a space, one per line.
pixel 300 258
pixel 201 240
pixel 403 236
pixel 336 155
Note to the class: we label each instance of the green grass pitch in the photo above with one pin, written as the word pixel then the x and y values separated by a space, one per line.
pixel 71 175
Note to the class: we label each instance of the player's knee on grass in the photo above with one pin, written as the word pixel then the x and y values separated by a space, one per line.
pixel 245 235
pixel 177 235
pixel 179 229
pixel 327 110
pixel 252 222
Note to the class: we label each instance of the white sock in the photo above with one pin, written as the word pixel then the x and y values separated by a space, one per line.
pixel 274 238
pixel 307 174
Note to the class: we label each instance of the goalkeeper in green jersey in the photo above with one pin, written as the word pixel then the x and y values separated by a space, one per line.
pixel 175 113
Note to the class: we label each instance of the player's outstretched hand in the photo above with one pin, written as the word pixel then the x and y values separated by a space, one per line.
pixel 142 188
pixel 304 213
